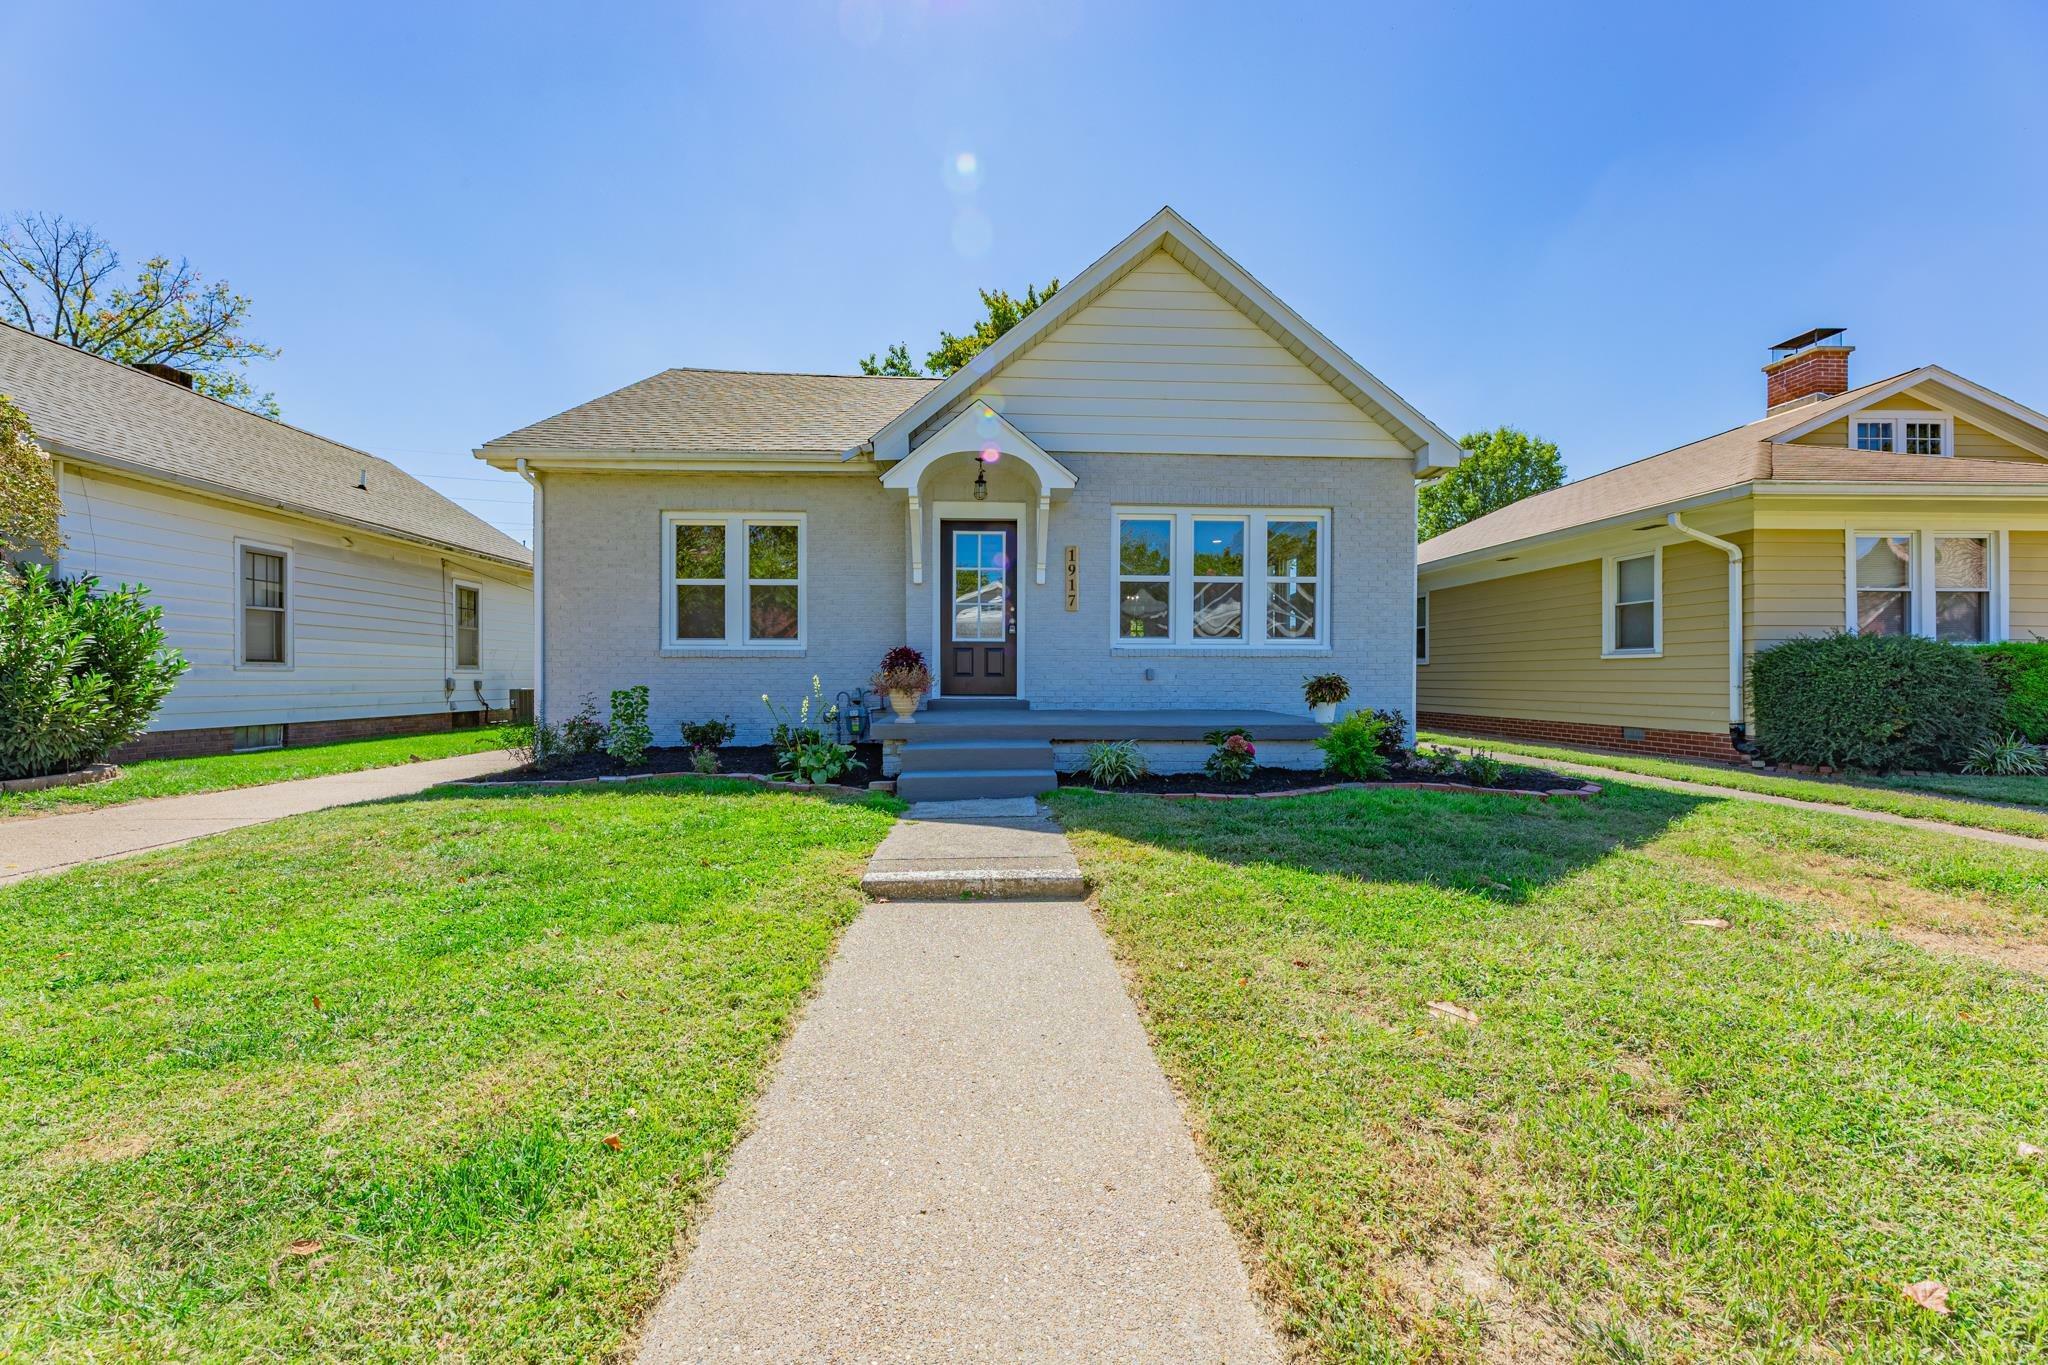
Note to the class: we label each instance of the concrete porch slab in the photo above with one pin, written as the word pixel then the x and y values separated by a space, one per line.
pixel 979 850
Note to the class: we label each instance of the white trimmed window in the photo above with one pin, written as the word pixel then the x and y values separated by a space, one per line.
pixel 735 581
pixel 1945 584
pixel 1883 568
pixel 1633 589
pixel 1216 578
pixel 1422 629
pixel 1904 433
pixel 468 625
pixel 263 620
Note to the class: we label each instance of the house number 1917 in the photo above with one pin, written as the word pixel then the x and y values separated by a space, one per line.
pixel 1073 578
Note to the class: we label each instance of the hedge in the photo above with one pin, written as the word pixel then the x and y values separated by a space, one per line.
pixel 81 670
pixel 2021 672
pixel 1876 702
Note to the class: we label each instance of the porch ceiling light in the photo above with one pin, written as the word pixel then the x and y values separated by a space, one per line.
pixel 981 484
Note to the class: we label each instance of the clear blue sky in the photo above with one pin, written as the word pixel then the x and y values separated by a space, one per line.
pixel 1588 221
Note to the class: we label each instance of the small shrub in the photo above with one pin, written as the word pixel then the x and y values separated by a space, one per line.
pixel 1116 763
pixel 1351 747
pixel 2010 756
pixel 628 736
pixel 1482 769
pixel 1325 689
pixel 582 733
pixel 1234 755
pixel 708 734
pixel 1393 736
pixel 81 670
pixel 1438 761
pixel 1877 702
pixel 704 760
pixel 2019 669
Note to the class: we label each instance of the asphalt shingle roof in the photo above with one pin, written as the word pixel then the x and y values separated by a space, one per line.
pixel 1743 455
pixel 726 412
pixel 99 412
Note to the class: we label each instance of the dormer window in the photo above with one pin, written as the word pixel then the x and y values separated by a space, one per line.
pixel 1873 435
pixel 1916 433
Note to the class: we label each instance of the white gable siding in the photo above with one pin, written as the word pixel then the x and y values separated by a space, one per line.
pixel 1162 364
pixel 372 631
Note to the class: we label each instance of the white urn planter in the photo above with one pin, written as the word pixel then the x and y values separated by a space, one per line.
pixel 904 704
pixel 1323 712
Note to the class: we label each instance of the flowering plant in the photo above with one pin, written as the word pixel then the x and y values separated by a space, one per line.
pixel 1233 757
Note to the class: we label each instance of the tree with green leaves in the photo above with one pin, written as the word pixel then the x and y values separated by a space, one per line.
pixel 58 279
pixel 1501 466
pixel 1004 311
pixel 28 488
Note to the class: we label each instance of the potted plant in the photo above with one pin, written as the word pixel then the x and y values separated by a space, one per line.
pixel 902 678
pixel 1323 692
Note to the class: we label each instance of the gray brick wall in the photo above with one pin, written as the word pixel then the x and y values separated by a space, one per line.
pixel 604 582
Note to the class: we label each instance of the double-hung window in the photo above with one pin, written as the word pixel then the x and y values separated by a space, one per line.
pixel 1221 578
pixel 1939 583
pixel 1634 605
pixel 735 581
pixel 468 625
pixel 1884 584
pixel 262 585
pixel 1962 589
pixel 1873 433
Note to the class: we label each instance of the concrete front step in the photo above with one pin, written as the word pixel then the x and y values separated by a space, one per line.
pixel 973 751
pixel 943 704
pixel 974 784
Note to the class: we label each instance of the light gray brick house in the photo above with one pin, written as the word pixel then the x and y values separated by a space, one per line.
pixel 1160 500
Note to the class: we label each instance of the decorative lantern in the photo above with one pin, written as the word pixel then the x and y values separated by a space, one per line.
pixel 853 716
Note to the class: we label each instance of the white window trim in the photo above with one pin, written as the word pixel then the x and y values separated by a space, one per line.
pixel 455 664
pixel 1898 417
pixel 1610 587
pixel 1181 604
pixel 1422 625
pixel 1920 616
pixel 736 581
pixel 291 606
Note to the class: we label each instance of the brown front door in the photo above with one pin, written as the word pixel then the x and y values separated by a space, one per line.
pixel 978 615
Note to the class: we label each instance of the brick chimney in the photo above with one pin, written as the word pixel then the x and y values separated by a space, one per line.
pixel 1807 368
pixel 170 374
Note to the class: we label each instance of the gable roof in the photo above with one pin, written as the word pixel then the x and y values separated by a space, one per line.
pixel 720 412
pixel 1168 231
pixel 1753 453
pixel 97 412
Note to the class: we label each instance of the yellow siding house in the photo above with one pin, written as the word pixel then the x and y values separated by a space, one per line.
pixel 1621 610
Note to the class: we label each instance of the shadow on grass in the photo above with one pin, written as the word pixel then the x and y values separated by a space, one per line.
pixel 1499 846
pixel 669 784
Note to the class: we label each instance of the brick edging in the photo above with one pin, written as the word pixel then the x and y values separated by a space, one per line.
pixel 1712 745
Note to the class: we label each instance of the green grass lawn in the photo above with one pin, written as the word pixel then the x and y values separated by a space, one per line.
pixel 340 1087
pixel 217 772
pixel 1925 798
pixel 1659 1142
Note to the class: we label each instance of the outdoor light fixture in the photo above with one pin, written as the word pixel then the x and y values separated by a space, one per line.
pixel 981 485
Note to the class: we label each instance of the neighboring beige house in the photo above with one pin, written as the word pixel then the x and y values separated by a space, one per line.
pixel 1161 497
pixel 1604 612
pixel 319 593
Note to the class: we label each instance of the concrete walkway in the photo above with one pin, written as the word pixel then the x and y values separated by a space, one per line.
pixel 967 1153
pixel 34 845
pixel 1883 817
pixel 1005 849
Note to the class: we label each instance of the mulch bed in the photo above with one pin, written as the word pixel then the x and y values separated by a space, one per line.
pixel 1267 780
pixel 738 759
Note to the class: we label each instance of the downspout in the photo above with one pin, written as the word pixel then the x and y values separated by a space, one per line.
pixel 540 616
pixel 1738 731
